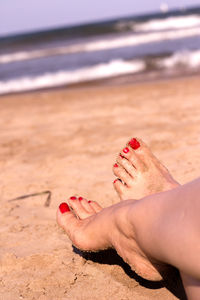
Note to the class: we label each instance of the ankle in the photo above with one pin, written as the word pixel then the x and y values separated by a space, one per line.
pixel 145 217
pixel 119 221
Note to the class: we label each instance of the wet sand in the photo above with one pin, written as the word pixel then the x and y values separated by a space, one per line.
pixel 66 141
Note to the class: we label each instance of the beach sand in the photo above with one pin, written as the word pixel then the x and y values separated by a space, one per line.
pixel 66 141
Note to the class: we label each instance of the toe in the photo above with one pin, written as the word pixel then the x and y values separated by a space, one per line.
pixel 87 206
pixel 76 229
pixel 65 217
pixel 134 143
pixel 127 165
pixel 67 220
pixel 133 158
pixel 120 188
pixel 121 173
pixel 78 208
pixel 97 208
pixel 144 153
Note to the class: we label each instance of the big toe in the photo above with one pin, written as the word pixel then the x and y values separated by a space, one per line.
pixel 67 220
pixel 144 153
pixel 74 227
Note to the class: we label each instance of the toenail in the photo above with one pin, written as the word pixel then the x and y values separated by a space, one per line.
pixel 115 180
pixel 73 198
pixel 89 201
pixel 134 144
pixel 80 198
pixel 64 208
pixel 121 156
pixel 116 166
pixel 126 150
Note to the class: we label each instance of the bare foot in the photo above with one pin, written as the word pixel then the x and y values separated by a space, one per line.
pixel 139 173
pixel 91 228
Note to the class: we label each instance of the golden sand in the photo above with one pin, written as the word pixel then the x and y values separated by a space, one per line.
pixel 66 141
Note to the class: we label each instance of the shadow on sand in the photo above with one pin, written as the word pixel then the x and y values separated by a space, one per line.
pixel 171 279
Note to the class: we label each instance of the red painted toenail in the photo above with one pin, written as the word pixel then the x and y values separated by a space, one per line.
pixel 126 150
pixel 116 166
pixel 121 156
pixel 80 198
pixel 64 208
pixel 134 144
pixel 89 201
pixel 73 198
pixel 115 180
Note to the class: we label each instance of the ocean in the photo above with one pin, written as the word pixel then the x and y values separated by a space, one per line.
pixel 140 47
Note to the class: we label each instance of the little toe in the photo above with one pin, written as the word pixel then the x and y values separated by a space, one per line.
pixel 78 208
pixel 120 188
pixel 121 173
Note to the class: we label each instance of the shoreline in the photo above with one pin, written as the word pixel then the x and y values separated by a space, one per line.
pixel 113 81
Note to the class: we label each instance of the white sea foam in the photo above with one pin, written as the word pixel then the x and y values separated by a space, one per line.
pixel 186 59
pixel 169 23
pixel 104 44
pixel 133 40
pixel 113 68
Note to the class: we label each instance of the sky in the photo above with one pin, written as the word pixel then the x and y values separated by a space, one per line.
pixel 18 16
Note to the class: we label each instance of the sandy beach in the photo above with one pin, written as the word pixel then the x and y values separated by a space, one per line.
pixel 65 141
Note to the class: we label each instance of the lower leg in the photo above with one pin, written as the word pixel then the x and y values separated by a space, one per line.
pixel 173 217
pixel 192 287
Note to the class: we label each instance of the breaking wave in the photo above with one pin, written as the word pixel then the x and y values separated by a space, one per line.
pixel 104 44
pixel 184 59
pixel 176 62
pixel 169 23
pixel 113 68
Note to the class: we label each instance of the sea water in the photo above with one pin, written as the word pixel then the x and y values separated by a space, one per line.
pixel 138 46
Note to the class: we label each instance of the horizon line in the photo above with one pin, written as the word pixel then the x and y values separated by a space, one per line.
pixel 96 22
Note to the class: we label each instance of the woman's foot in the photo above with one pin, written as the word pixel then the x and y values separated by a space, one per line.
pixel 139 173
pixel 91 228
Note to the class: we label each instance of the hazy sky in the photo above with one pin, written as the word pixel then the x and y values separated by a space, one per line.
pixel 28 15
